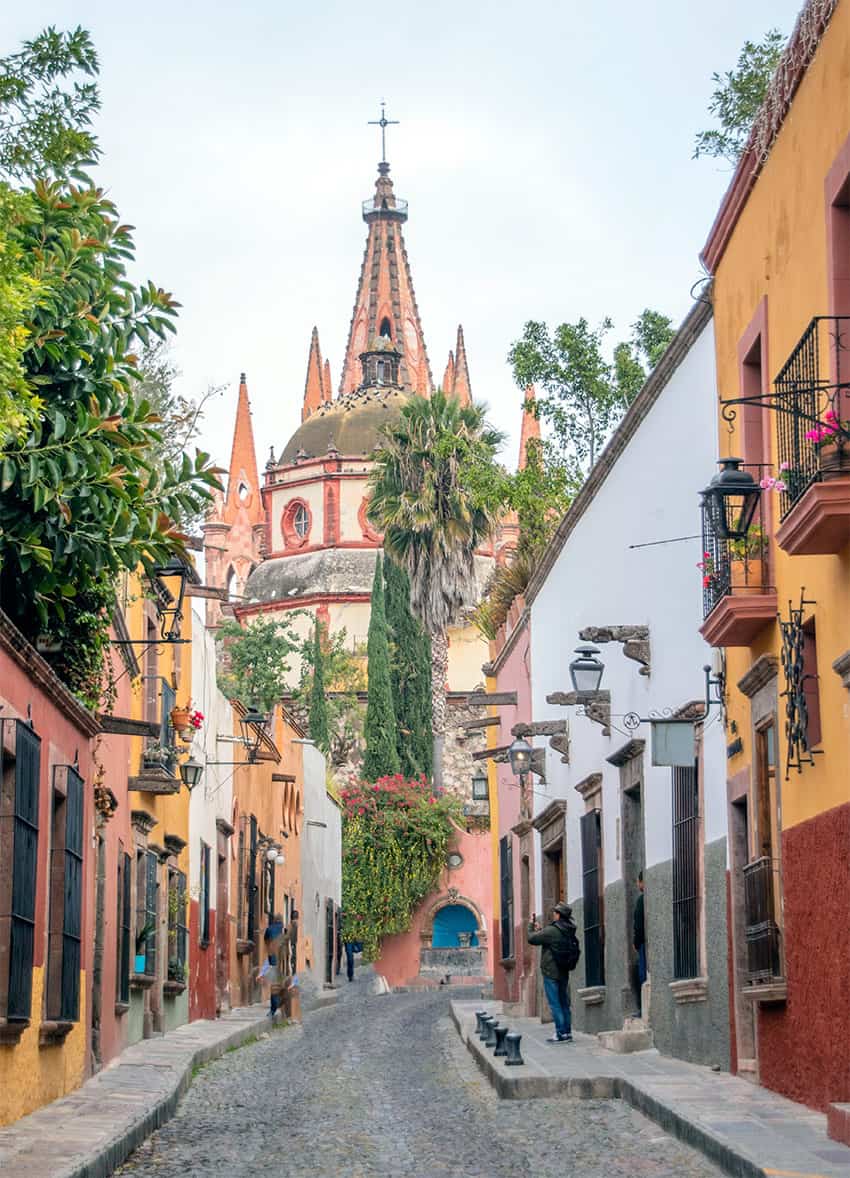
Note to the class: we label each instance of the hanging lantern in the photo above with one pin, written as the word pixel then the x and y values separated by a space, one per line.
pixel 586 671
pixel 190 773
pixel 176 574
pixel 731 499
pixel 519 755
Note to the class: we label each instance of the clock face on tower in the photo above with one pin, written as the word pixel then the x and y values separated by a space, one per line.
pixel 411 341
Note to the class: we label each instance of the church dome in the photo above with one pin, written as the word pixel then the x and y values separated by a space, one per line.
pixel 350 425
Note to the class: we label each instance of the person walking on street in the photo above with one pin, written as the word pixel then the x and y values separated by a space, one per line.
pixel 273 938
pixel 558 958
pixel 639 938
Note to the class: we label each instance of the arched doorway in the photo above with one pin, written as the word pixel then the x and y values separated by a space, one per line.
pixel 452 923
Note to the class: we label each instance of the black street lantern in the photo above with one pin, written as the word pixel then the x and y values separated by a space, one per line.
pixel 520 756
pixel 190 773
pixel 253 724
pixel 480 792
pixel 171 610
pixel 731 499
pixel 586 671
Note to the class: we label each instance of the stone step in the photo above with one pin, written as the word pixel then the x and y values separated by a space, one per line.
pixel 625 1042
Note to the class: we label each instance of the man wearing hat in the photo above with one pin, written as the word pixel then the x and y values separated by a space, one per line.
pixel 558 957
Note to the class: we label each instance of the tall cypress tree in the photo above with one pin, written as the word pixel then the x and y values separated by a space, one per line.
pixel 410 675
pixel 319 729
pixel 381 756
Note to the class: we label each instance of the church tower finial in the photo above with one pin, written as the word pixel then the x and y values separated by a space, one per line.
pixel 315 393
pixel 462 388
pixel 385 303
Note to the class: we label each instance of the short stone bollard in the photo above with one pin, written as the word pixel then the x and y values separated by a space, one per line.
pixel 485 1026
pixel 512 1042
pixel 500 1041
pixel 479 1015
pixel 490 1041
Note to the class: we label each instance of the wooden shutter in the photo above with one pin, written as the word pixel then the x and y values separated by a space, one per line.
pixel 24 870
pixel 685 872
pixel 72 920
pixel 124 903
pixel 506 895
pixel 591 847
pixel 251 883
pixel 205 894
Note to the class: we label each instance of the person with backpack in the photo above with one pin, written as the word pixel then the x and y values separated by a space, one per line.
pixel 559 956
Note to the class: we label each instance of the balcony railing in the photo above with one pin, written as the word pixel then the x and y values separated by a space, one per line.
pixel 812 399
pixel 735 567
pixel 764 956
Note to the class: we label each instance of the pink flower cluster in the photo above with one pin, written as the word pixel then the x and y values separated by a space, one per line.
pixel 388 793
pixel 196 719
pixel 826 430
pixel 769 483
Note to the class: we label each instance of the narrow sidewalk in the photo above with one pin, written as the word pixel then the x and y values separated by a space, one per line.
pixel 90 1132
pixel 749 1131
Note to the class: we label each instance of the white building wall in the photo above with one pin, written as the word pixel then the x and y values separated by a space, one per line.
pixel 602 578
pixel 321 859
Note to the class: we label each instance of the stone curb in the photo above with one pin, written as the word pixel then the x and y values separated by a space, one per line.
pixel 512 1086
pixel 110 1146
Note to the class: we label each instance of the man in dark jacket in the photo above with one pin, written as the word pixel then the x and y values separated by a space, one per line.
pixel 556 977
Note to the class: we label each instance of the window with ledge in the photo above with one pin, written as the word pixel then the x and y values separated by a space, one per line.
pixel 506 895
pixel 177 930
pixel 65 890
pixel 686 872
pixel 124 926
pixel 147 905
pixel 591 870
pixel 19 835
pixel 762 881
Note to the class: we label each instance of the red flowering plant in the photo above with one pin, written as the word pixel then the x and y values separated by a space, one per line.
pixel 706 567
pixel 396 834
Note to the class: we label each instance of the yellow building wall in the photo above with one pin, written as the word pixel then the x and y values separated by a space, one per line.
pixel 778 249
pixel 31 1076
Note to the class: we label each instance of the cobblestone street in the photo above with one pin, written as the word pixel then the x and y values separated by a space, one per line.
pixel 384 1086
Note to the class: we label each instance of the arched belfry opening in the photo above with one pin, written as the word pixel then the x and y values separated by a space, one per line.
pixel 386 331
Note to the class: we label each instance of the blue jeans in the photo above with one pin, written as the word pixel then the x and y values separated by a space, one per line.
pixel 349 960
pixel 641 964
pixel 557 991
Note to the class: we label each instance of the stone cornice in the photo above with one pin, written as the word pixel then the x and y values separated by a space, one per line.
pixel 760 673
pixel 13 643
pixel 679 346
pixel 553 812
pixel 589 786
pixel 841 666
pixel 627 752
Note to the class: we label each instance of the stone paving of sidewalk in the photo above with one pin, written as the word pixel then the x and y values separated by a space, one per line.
pixel 747 1129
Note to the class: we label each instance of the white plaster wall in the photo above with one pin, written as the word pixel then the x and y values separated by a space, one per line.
pixel 351 495
pixel 212 798
pixel 313 495
pixel 321 857
pixel 599 579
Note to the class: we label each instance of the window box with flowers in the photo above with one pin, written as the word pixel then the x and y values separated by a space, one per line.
pixel 817 517
pixel 187 721
pixel 738 600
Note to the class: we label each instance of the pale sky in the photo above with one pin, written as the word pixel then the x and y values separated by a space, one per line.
pixel 545 150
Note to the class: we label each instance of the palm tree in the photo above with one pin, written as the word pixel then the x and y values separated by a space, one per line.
pixel 424 499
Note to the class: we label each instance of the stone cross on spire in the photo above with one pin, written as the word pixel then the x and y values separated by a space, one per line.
pixel 383 122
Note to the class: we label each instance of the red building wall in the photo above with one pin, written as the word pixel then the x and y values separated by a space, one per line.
pixel 803 1044
pixel 202 996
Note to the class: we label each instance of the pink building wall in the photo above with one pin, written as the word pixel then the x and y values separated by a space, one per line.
pixel 514 977
pixel 399 960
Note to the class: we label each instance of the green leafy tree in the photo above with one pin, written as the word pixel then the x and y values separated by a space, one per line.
pixel 19 292
pixel 47 99
pixel 381 757
pixel 737 97
pixel 433 518
pixel 396 835
pixel 256 660
pixel 319 727
pixel 344 676
pixel 410 673
pixel 583 394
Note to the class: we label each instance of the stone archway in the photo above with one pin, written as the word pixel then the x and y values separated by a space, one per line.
pixel 449 899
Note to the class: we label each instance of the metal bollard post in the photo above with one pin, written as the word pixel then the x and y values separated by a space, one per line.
pixel 479 1015
pixel 490 1041
pixel 512 1042
pixel 500 1041
pixel 485 1026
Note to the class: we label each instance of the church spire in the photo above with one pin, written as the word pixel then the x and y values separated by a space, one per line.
pixel 243 484
pixel 315 392
pixel 326 384
pixel 462 388
pixel 385 302
pixel 530 426
pixel 448 385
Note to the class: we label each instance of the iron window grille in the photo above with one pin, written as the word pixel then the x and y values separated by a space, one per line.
pixel 125 883
pixel 594 929
pixel 177 930
pixel 686 872
pixel 204 936
pixel 797 687
pixel 66 923
pixel 251 882
pixel 506 879
pixel 24 869
pixel 160 753
pixel 735 567
pixel 764 949
pixel 148 914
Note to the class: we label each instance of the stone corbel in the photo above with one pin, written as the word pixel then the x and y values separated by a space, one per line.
pixel 559 740
pixel 635 640
pixel 841 666
pixel 590 786
pixel 538 764
pixel 596 704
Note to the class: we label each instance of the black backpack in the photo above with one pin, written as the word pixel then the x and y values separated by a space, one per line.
pixel 567 953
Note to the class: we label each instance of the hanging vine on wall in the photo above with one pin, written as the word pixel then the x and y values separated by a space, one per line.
pixel 395 838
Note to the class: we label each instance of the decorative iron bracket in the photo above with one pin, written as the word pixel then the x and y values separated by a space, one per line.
pixel 793 661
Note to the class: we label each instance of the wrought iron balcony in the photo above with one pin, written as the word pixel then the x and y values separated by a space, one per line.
pixel 737 596
pixel 812 401
pixel 764 956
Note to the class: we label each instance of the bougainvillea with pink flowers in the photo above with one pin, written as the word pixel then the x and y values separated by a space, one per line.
pixel 396 834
